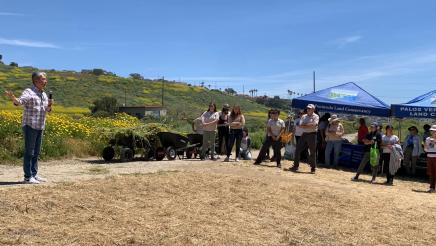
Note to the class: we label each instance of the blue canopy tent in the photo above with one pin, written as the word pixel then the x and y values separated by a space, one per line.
pixel 347 98
pixel 423 106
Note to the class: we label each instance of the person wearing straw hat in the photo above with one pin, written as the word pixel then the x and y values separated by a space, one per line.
pixel 309 123
pixel 430 149
pixel 333 133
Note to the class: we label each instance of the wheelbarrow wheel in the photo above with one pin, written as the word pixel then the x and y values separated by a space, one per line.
pixel 108 153
pixel 159 154
pixel 171 153
pixel 127 154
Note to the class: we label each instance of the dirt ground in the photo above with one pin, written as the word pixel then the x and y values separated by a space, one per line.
pixel 181 202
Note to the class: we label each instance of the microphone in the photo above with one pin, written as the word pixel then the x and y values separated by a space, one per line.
pixel 50 95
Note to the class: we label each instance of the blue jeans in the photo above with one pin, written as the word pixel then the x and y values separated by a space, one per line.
pixel 32 148
pixel 335 146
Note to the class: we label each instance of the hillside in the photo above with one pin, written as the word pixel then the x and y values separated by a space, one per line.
pixel 76 89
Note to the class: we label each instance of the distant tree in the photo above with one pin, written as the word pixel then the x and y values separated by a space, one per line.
pixel 104 105
pixel 86 71
pixel 230 91
pixel 98 71
pixel 136 76
pixel 13 64
pixel 1 57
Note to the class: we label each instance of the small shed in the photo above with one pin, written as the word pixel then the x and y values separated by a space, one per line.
pixel 142 111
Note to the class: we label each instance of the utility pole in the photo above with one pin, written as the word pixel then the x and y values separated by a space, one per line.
pixel 243 90
pixel 313 80
pixel 163 83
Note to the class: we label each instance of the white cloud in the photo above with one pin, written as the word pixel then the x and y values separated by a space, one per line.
pixel 347 40
pixel 28 43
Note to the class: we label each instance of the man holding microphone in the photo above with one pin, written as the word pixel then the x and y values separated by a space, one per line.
pixel 36 105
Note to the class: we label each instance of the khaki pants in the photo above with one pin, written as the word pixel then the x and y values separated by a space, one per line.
pixel 208 143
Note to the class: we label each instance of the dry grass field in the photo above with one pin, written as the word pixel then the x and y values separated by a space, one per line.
pixel 213 203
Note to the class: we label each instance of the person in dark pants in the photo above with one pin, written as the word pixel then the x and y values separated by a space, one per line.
pixel 373 137
pixel 321 143
pixel 236 123
pixel 298 132
pixel 267 155
pixel 309 123
pixel 223 129
pixel 430 149
pixel 388 140
pixel 275 128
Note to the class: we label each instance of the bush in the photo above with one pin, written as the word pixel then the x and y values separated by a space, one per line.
pixel 136 76
pixel 257 139
pixel 105 105
pixel 98 71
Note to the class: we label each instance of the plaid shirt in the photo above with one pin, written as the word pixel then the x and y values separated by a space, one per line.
pixel 35 104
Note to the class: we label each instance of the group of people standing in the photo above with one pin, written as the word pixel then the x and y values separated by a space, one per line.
pixel 316 139
pixel 307 129
pixel 231 129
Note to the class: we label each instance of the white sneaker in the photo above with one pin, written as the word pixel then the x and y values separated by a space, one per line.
pixel 237 159
pixel 31 180
pixel 40 179
pixel 432 190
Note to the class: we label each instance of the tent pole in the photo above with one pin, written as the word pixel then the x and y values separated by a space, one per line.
pixel 399 129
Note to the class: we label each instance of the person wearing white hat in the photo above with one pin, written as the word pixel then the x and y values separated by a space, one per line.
pixel 430 149
pixel 333 133
pixel 309 123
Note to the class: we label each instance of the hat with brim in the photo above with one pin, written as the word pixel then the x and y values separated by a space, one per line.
pixel 412 128
pixel 433 128
pixel 311 106
pixel 374 124
pixel 334 118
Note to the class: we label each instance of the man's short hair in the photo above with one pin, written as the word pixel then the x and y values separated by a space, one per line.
pixel 36 75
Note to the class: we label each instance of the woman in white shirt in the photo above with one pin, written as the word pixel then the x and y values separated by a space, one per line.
pixel 430 148
pixel 388 140
pixel 209 120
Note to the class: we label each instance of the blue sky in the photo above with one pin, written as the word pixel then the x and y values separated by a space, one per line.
pixel 387 47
